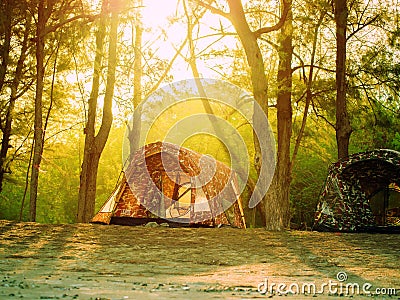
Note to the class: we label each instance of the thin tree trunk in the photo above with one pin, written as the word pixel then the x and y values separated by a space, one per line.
pixel 134 131
pixel 38 122
pixel 258 79
pixel 343 127
pixel 276 202
pixel 256 63
pixel 5 143
pixel 309 95
pixel 6 11
pixel 192 60
pixel 86 188
pixel 94 144
pixel 28 171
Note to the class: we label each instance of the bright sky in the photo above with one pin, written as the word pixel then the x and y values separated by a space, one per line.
pixel 164 37
pixel 155 15
pixel 155 12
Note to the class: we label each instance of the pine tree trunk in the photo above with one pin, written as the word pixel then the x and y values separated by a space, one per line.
pixel 258 78
pixel 192 60
pixel 86 190
pixel 6 26
pixel 94 144
pixel 135 129
pixel 38 122
pixel 277 200
pixel 343 127
pixel 7 126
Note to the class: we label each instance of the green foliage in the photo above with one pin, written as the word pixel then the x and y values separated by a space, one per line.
pixel 396 141
pixel 110 166
pixel 59 179
pixel 317 152
pixel 308 179
pixel 10 201
pixel 374 128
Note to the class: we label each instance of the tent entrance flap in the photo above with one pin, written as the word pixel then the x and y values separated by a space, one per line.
pixel 385 205
pixel 180 207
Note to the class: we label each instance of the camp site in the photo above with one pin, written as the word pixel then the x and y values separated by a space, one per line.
pixel 199 149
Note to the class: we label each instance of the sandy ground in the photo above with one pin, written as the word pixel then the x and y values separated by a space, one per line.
pixel 118 262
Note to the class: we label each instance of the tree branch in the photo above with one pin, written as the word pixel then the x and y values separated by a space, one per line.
pixel 90 18
pixel 214 10
pixel 321 116
pixel 313 66
pixel 362 26
pixel 277 26
pixel 275 46
pixel 215 34
pixel 168 68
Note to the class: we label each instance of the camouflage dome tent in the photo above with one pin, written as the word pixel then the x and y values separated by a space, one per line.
pixel 361 193
pixel 164 177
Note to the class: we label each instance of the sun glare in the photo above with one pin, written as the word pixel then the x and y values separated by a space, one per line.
pixel 166 24
pixel 164 32
pixel 155 13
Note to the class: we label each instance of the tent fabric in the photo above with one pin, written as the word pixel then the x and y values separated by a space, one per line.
pixel 153 181
pixel 344 201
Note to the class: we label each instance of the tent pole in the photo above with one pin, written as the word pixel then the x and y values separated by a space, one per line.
pixel 385 204
pixel 161 208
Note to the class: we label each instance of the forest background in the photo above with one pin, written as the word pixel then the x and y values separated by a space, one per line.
pixel 73 71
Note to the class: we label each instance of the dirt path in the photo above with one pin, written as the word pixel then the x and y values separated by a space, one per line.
pixel 116 262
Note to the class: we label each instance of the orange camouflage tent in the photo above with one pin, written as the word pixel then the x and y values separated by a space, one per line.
pixel 166 183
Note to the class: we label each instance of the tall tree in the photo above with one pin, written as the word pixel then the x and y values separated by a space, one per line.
pixel 95 143
pixel 7 120
pixel 277 202
pixel 6 10
pixel 137 64
pixel 192 20
pixel 44 13
pixel 134 130
pixel 343 127
pixel 256 63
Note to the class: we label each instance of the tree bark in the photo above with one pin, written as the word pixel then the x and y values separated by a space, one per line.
pixel 135 130
pixel 192 60
pixel 309 80
pixel 94 144
pixel 343 127
pixel 277 201
pixel 6 11
pixel 7 126
pixel 256 63
pixel 87 187
pixel 38 121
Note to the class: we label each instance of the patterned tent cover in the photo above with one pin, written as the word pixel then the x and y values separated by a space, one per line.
pixel 344 203
pixel 168 183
